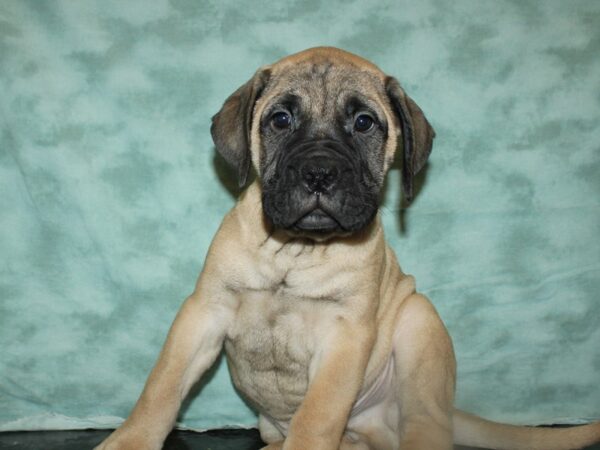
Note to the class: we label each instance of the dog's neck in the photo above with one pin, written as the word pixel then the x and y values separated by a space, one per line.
pixel 276 255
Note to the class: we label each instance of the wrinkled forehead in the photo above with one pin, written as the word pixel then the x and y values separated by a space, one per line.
pixel 325 86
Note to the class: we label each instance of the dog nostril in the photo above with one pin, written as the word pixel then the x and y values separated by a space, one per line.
pixel 318 178
pixel 331 175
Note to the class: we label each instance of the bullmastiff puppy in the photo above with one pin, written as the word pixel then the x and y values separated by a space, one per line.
pixel 324 334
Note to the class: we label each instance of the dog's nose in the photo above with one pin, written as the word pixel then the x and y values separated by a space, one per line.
pixel 319 174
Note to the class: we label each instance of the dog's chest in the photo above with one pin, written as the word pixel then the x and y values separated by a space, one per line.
pixel 276 333
pixel 270 350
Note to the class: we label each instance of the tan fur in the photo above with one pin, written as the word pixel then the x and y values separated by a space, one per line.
pixel 327 339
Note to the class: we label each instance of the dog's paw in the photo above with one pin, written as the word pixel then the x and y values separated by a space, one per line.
pixel 124 439
pixel 274 446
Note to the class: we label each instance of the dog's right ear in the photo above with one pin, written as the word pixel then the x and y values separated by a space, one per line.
pixel 232 125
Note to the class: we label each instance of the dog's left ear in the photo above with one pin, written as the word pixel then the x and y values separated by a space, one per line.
pixel 232 125
pixel 417 134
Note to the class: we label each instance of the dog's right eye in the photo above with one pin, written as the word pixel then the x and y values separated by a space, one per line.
pixel 281 120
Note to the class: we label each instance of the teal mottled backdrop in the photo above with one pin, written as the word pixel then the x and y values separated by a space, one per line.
pixel 110 191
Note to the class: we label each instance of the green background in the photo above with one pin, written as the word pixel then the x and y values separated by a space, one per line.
pixel 110 191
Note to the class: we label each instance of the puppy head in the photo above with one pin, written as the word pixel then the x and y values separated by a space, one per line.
pixel 321 129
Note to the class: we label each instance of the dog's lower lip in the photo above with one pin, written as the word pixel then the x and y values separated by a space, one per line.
pixel 316 220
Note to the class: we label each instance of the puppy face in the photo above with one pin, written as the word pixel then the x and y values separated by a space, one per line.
pixel 321 129
pixel 321 135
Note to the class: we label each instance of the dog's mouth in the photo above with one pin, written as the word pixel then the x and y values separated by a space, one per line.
pixel 319 189
pixel 317 221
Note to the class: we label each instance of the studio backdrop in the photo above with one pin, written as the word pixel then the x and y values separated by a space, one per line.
pixel 110 191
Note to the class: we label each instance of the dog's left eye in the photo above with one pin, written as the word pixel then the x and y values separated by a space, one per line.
pixel 363 123
pixel 281 120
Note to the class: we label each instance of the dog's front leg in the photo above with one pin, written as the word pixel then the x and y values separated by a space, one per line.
pixel 336 378
pixel 194 341
pixel 425 369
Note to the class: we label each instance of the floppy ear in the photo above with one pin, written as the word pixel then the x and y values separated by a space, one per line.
pixel 232 125
pixel 417 134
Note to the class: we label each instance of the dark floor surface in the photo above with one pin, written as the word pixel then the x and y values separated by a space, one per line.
pixel 233 439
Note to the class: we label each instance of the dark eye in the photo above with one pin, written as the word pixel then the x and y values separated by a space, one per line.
pixel 363 123
pixel 281 120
